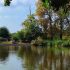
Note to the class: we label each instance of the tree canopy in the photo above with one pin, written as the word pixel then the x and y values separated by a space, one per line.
pixel 7 2
pixel 32 29
pixel 57 4
pixel 4 33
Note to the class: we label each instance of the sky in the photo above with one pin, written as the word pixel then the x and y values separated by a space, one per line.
pixel 13 16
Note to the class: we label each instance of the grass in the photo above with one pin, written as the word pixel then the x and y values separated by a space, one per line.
pixel 6 42
pixel 55 42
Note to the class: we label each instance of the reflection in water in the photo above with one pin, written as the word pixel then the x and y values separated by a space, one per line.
pixel 45 58
pixel 36 58
pixel 30 58
pixel 4 52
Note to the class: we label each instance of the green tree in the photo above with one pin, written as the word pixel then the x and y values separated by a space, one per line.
pixel 48 7
pixel 61 7
pixel 4 33
pixel 32 29
pixel 20 35
pixel 15 37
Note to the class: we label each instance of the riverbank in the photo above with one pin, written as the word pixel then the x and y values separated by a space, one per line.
pixel 9 43
pixel 55 43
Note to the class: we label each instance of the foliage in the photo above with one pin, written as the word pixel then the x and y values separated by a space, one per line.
pixel 57 4
pixel 20 35
pixel 15 37
pixel 30 32
pixel 32 29
pixel 4 33
pixel 7 2
pixel 37 41
pixel 44 25
pixel 45 12
pixel 41 10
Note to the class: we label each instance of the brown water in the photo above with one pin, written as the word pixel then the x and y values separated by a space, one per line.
pixel 33 58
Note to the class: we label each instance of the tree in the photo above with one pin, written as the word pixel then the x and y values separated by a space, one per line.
pixel 62 8
pixel 32 29
pixel 4 33
pixel 57 4
pixel 20 35
pixel 7 2
pixel 48 7
pixel 15 37
pixel 44 16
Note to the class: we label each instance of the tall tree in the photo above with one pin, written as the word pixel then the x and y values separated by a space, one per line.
pixel 32 29
pixel 43 20
pixel 46 12
pixel 61 7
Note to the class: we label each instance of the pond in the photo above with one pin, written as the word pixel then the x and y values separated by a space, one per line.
pixel 34 58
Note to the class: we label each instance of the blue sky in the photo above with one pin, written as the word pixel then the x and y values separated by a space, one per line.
pixel 13 16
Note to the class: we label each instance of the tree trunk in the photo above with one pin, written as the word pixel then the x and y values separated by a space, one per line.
pixel 61 28
pixel 51 30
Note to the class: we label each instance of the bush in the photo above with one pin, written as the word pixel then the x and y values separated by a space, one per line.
pixel 4 33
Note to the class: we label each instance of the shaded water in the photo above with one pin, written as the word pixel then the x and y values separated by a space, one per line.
pixel 33 58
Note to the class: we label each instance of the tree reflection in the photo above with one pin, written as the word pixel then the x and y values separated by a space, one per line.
pixel 61 60
pixel 30 58
pixel 38 58
pixel 4 52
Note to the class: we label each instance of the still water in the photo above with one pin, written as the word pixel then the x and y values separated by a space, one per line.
pixel 33 58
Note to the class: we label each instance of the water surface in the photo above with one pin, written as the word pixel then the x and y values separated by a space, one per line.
pixel 34 58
